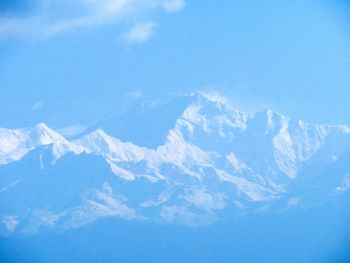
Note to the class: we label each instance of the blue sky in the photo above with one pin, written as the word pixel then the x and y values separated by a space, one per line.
pixel 75 62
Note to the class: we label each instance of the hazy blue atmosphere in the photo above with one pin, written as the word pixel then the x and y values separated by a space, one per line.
pixel 174 131
pixel 291 56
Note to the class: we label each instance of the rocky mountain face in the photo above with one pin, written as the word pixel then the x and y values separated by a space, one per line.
pixel 191 162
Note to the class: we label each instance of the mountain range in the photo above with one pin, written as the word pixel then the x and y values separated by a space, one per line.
pixel 193 161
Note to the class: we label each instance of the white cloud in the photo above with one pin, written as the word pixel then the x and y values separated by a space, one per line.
pixel 345 185
pixel 138 33
pixel 9 224
pixel 51 17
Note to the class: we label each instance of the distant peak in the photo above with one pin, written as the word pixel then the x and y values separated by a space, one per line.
pixel 215 97
pixel 201 96
pixel 98 136
pixel 99 133
pixel 42 126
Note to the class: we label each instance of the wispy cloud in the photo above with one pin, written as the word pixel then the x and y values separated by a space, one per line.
pixel 138 33
pixel 37 106
pixel 72 130
pixel 135 94
pixel 47 18
pixel 173 5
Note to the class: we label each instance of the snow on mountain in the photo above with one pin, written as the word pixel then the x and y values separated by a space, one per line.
pixel 98 142
pixel 211 158
pixel 14 144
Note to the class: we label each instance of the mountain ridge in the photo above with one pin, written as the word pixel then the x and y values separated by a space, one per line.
pixel 213 158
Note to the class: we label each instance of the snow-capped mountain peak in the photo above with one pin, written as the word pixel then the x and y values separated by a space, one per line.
pixel 14 144
pixel 44 135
